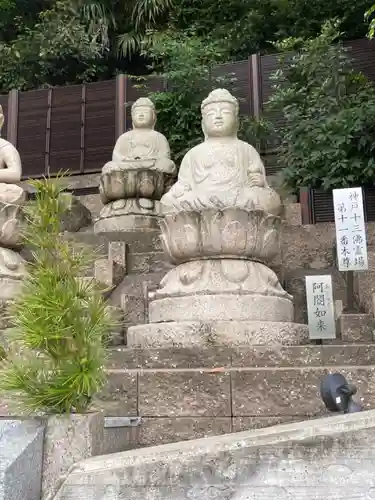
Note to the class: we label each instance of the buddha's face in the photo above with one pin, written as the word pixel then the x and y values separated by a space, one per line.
pixel 143 117
pixel 219 119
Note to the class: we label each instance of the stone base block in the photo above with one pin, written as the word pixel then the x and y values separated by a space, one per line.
pixel 21 458
pixel 68 440
pixel 214 333
pixel 222 307
pixel 126 223
pixel 357 328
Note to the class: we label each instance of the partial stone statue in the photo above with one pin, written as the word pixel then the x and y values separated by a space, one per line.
pixel 222 171
pixel 140 172
pixel 221 228
pixel 12 198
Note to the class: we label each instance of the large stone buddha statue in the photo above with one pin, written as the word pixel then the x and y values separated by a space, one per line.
pixel 221 230
pixel 12 197
pixel 140 172
pixel 222 171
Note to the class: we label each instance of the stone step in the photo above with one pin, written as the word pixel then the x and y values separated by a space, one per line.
pixel 278 357
pixel 134 284
pixel 357 328
pixel 194 392
pixel 138 242
pixel 150 262
pixel 292 215
pixel 89 239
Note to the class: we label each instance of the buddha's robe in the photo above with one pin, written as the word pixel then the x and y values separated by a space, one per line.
pixel 141 149
pixel 219 174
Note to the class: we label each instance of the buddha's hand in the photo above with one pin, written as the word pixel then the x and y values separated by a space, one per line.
pixel 179 189
pixel 256 180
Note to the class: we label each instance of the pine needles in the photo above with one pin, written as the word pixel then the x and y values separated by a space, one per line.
pixel 56 360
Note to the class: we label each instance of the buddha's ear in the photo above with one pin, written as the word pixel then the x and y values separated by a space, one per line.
pixel 204 130
pixel 1 118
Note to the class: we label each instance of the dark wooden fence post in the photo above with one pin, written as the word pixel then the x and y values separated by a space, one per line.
pixel 305 199
pixel 48 133
pixel 83 130
pixel 120 114
pixel 12 127
pixel 256 85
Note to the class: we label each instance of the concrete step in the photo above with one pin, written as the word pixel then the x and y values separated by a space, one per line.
pixel 89 239
pixel 357 328
pixel 185 393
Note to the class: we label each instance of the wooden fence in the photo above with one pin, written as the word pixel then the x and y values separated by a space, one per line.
pixel 75 127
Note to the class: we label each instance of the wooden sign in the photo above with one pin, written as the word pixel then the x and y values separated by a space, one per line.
pixel 320 307
pixel 350 229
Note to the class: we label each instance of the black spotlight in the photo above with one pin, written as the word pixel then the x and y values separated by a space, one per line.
pixel 337 393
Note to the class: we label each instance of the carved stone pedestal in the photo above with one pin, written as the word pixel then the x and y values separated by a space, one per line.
pixel 217 295
pixel 132 200
pixel 216 333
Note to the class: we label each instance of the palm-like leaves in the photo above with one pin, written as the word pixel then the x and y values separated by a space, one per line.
pixel 135 20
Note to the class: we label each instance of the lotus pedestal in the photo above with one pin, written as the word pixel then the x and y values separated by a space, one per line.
pixel 221 292
pixel 132 200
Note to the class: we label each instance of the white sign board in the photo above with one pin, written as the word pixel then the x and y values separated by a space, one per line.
pixel 350 229
pixel 320 307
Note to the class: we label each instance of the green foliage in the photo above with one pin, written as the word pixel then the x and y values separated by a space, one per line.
pixel 369 16
pixel 187 64
pixel 56 42
pixel 123 26
pixel 248 26
pixel 56 50
pixel 327 139
pixel 55 363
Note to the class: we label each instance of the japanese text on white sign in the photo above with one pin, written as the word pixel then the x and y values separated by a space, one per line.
pixel 320 307
pixel 350 229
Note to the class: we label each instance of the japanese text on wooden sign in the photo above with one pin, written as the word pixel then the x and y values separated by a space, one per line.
pixel 350 229
pixel 320 307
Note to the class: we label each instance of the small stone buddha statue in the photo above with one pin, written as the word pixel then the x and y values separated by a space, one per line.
pixel 140 172
pixel 143 147
pixel 222 171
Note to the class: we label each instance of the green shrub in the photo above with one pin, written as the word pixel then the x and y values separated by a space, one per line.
pixel 328 137
pixel 56 360
pixel 189 65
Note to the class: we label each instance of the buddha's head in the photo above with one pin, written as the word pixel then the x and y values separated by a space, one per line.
pixel 1 119
pixel 143 113
pixel 220 114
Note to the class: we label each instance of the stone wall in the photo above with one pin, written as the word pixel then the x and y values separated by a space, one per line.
pixel 324 459
pixel 183 394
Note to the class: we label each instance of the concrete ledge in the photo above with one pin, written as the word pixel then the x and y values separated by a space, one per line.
pixel 21 459
pixel 284 462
